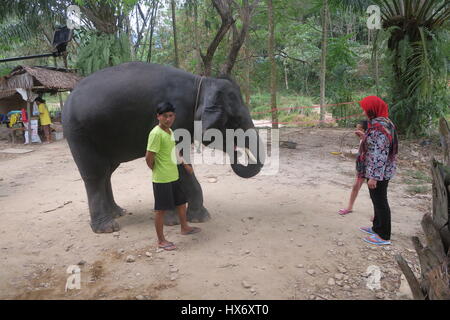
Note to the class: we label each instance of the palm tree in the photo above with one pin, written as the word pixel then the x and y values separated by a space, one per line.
pixel 414 33
pixel 413 39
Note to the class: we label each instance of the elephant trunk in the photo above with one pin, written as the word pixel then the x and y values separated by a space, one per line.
pixel 253 150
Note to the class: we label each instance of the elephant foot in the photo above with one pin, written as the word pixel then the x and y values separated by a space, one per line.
pixel 193 215
pixel 105 227
pixel 198 215
pixel 119 212
pixel 171 218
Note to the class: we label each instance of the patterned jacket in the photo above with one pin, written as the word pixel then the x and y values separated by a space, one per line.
pixel 375 160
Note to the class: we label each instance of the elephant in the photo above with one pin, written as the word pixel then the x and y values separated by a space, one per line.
pixel 108 116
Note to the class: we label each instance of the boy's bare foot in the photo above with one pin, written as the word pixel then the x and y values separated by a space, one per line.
pixel 190 230
pixel 166 245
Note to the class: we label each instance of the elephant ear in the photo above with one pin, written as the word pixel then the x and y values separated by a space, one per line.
pixel 214 114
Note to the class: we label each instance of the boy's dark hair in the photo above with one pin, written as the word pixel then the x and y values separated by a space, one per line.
pixel 363 123
pixel 164 107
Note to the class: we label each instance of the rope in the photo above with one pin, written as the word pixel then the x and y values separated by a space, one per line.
pixel 304 107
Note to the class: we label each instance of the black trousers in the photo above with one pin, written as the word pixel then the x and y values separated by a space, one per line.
pixel 382 219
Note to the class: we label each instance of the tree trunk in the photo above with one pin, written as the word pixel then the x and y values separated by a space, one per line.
pixel 286 75
pixel 174 27
pixel 323 62
pixel 154 9
pixel 247 67
pixel 444 130
pixel 223 7
pixel 245 14
pixel 434 258
pixel 273 70
pixel 197 40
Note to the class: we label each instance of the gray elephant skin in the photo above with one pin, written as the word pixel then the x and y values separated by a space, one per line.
pixel 108 116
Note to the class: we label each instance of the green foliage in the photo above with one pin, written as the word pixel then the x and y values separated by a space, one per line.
pixel 102 50
pixel 418 189
pixel 416 42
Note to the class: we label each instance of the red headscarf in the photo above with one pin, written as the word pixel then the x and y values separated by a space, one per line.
pixel 374 107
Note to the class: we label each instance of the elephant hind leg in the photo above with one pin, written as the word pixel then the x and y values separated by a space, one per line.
pixel 102 219
pixel 95 169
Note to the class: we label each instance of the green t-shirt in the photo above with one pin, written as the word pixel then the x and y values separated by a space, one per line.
pixel 163 145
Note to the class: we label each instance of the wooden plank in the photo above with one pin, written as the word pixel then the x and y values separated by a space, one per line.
pixel 444 131
pixel 440 194
pixel 410 277
pixel 438 281
pixel 433 238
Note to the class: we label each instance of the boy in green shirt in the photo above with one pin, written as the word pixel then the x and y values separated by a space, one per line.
pixel 162 160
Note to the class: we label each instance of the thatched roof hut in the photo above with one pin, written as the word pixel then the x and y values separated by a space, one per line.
pixel 36 79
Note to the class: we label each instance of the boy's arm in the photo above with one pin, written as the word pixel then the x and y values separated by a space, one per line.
pixel 150 159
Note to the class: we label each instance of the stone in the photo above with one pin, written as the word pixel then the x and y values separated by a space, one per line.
pixel 130 259
pixel 140 297
pixel 342 270
pixel 300 266
pixel 339 276
pixel 173 277
pixel 331 282
pixel 380 295
pixel 311 272
pixel 116 234
pixel 173 270
pixel 216 284
pixel 340 244
pixel 245 284
pixel 347 287
pixel 82 263
pixel 121 251
pixel 148 254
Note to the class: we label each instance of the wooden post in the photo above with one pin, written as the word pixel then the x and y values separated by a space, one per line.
pixel 444 130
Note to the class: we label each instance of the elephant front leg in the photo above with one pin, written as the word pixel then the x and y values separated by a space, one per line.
pixel 101 211
pixel 196 212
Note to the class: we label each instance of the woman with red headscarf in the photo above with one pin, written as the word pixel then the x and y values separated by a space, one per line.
pixel 376 162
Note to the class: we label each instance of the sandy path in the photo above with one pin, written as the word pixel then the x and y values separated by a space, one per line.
pixel 277 235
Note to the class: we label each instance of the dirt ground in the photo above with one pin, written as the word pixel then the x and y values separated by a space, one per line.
pixel 269 237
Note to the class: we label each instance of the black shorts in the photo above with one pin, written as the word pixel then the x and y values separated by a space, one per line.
pixel 168 195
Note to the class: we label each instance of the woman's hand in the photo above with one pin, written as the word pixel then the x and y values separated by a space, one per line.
pixel 372 184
